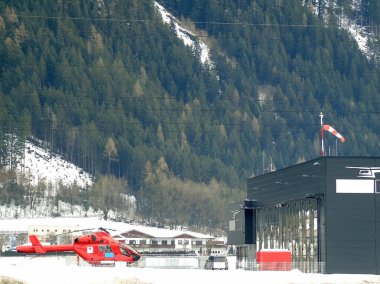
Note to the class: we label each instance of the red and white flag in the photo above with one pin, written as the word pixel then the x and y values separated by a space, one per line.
pixel 333 131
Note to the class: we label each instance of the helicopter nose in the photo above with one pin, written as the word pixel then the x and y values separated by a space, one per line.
pixel 136 257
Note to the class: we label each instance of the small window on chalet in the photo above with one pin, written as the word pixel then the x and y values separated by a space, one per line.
pixel 164 243
pixel 142 242
pixel 132 242
pixel 154 242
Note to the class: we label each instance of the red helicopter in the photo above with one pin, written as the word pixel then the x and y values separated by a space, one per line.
pixel 97 248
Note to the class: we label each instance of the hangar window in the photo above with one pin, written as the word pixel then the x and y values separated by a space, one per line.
pixel 292 226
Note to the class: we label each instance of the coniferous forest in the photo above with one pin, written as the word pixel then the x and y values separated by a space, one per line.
pixel 111 88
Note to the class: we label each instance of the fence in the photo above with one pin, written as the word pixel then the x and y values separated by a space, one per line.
pixel 190 262
pixel 169 262
pixel 306 267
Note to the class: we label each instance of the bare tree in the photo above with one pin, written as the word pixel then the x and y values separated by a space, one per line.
pixel 110 151
pixel 107 195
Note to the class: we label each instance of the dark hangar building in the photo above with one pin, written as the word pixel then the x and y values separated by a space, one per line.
pixel 325 211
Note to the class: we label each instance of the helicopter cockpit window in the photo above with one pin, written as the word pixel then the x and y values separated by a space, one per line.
pixel 105 249
pixel 131 249
pixel 124 251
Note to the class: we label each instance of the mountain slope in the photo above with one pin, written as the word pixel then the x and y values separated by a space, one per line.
pixel 111 86
pixel 40 165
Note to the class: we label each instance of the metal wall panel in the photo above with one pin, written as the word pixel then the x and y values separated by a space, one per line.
pixel 236 224
pixel 350 217
pixel 288 184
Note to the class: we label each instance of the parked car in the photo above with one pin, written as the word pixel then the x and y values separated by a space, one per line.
pixel 216 262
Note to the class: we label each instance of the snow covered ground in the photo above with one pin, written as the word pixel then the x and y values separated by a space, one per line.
pixel 55 270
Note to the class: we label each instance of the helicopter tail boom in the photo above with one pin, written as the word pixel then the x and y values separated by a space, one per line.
pixel 37 247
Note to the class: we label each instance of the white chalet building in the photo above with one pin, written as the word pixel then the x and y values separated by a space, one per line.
pixel 148 239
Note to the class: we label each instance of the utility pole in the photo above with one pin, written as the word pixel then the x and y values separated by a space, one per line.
pixel 323 147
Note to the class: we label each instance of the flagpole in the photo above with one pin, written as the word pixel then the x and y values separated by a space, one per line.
pixel 323 147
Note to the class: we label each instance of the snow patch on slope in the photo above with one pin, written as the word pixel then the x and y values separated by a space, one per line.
pixel 188 38
pixel 40 165
pixel 358 32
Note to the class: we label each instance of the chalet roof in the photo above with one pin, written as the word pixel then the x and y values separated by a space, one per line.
pixel 21 225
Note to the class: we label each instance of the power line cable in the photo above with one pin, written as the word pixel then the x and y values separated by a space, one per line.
pixel 214 110
pixel 113 66
pixel 219 23
pixel 232 99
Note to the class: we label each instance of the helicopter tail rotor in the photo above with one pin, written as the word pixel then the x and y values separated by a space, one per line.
pixel 36 244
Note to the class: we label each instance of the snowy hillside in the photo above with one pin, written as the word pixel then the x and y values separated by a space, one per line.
pixel 41 165
pixel 188 38
pixel 358 32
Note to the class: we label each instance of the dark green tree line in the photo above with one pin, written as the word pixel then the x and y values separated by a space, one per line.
pixel 111 87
